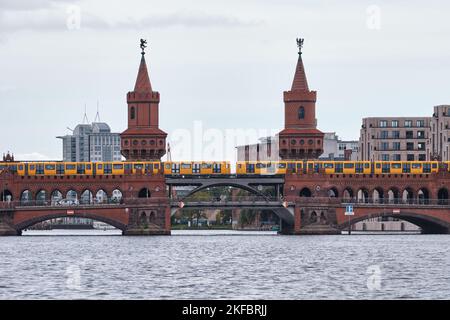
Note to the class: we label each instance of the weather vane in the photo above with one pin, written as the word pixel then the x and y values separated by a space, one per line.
pixel 143 46
pixel 300 44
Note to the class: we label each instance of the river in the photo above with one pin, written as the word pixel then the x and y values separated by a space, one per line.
pixel 93 264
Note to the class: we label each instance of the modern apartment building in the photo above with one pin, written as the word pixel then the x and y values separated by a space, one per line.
pixel 395 139
pixel 337 149
pixel 438 149
pixel 91 143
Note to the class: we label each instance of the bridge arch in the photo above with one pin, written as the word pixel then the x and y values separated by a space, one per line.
pixel 423 196
pixel 6 195
pixel 362 195
pixel 41 197
pixel 378 195
pixel 32 221
pixel 101 196
pixel 408 195
pixel 87 197
pixel 55 196
pixel 348 194
pixel 393 195
pixel 305 192
pixel 443 196
pixel 428 223
pixel 333 192
pixel 26 197
pixel 144 193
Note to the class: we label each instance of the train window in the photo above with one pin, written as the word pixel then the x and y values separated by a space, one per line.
pixel 239 166
pixel 291 165
pixel 434 165
pixel 426 168
pixel 260 165
pixel 281 165
pixel 157 166
pixel 49 167
pixel 128 166
pixel 396 166
pixel 349 165
pixel 406 168
pixel 378 166
pixel 13 168
pixel 32 167
pixel 367 165
pixel 328 165
pixel 185 165
pixel 118 166
pixel 138 166
pixel 167 166
pixel 339 167
pixel 416 165
pixel 100 166
pixel 88 167
pixel 206 166
pixel 386 168
pixel 70 167
pixel 21 167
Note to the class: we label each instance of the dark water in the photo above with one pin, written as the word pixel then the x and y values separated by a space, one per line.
pixel 224 266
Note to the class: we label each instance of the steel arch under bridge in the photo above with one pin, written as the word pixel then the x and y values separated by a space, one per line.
pixel 251 184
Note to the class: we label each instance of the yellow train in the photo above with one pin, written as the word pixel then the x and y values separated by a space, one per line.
pixel 116 168
pixel 223 167
pixel 339 167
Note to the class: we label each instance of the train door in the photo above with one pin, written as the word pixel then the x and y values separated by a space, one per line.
pixel 26 169
pixel 196 168
pixel 359 167
pixel 94 169
pixel 175 168
pixel 217 168
pixel 250 168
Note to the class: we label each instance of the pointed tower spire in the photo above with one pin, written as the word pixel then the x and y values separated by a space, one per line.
pixel 143 80
pixel 300 82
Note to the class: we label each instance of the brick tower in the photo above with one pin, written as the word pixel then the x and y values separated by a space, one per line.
pixel 143 140
pixel 300 138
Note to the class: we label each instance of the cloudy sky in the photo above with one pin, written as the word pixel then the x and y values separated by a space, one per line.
pixel 222 63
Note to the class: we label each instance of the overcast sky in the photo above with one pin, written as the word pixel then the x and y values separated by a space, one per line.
pixel 224 63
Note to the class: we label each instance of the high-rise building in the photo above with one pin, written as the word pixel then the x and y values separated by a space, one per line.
pixel 440 134
pixel 91 143
pixel 395 139
pixel 337 149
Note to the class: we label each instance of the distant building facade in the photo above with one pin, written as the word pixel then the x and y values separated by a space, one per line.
pixel 395 139
pixel 265 150
pixel 440 134
pixel 336 149
pixel 91 143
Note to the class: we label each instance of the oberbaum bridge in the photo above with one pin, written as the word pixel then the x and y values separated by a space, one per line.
pixel 303 202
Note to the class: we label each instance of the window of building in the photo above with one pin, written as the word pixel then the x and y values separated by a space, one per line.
pixel 384 145
pixel 409 135
pixel 420 123
pixel 301 113
pixel 394 123
pixel 384 134
pixel 383 123
pixel 422 157
pixel 396 146
pixel 410 157
pixel 410 146
pixel 384 157
pixel 396 157
pixel 421 134
pixel 132 113
pixel 408 123
pixel 396 134
pixel 421 146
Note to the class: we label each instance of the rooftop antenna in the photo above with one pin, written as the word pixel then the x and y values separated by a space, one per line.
pixel 97 116
pixel 85 118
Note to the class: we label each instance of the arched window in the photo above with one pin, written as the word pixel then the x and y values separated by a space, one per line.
pixel 132 113
pixel 301 113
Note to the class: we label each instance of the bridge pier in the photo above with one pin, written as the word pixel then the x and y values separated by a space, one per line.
pixel 148 222
pixel 6 225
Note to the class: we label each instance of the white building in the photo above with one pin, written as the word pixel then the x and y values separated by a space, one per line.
pixel 336 149
pixel 91 143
